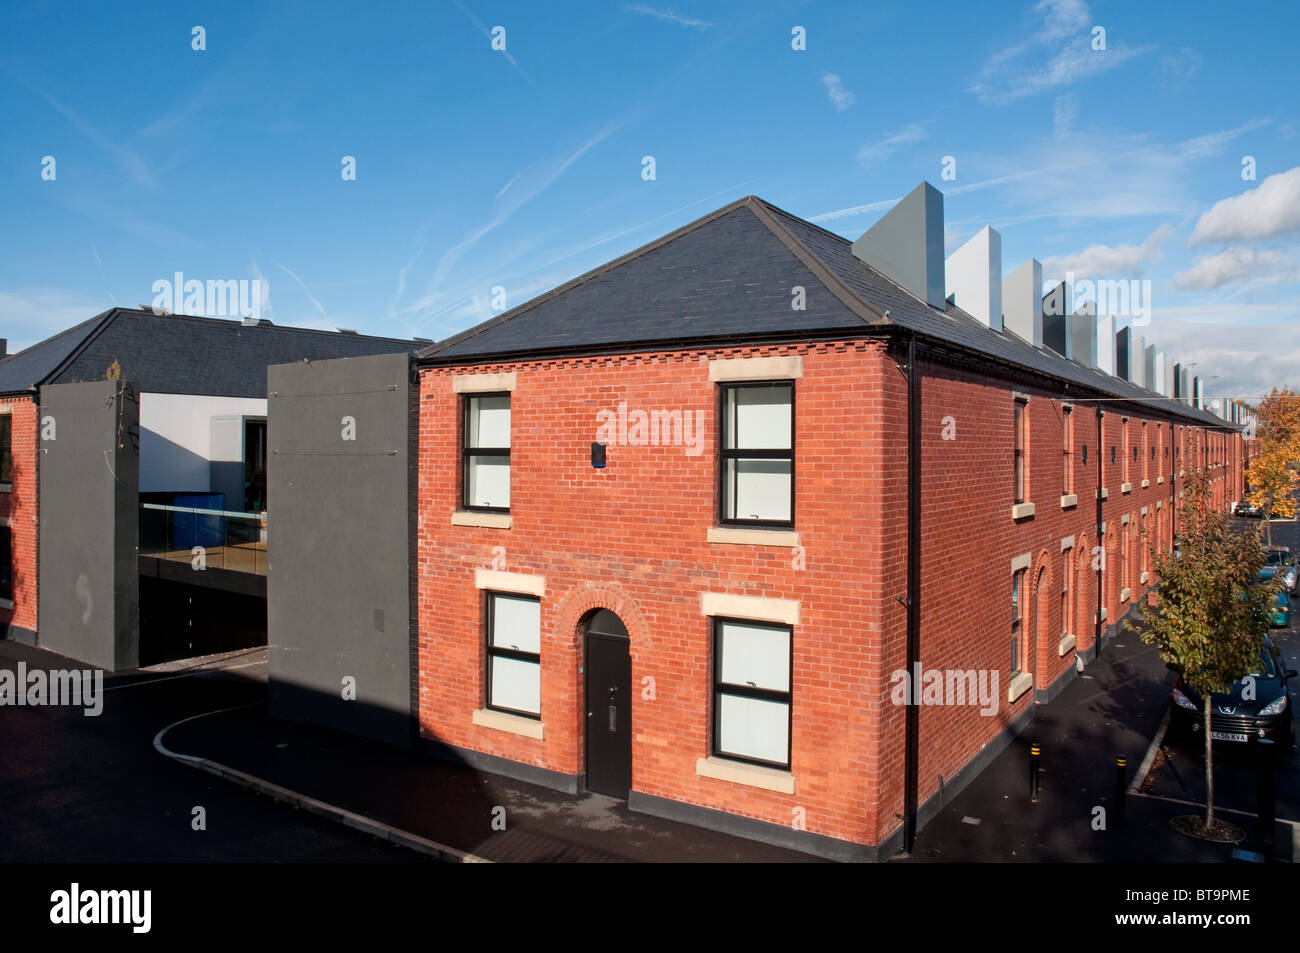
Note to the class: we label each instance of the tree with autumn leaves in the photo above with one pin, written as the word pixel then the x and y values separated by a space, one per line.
pixel 1274 471
pixel 1214 609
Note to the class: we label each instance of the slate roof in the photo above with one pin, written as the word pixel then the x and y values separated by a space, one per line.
pixel 730 274
pixel 180 354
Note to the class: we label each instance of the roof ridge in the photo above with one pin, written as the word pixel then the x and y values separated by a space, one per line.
pixel 231 322
pixel 108 317
pixel 868 312
pixel 585 277
pixel 52 338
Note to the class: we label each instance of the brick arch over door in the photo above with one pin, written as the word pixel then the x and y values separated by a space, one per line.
pixel 1041 603
pixel 585 599
pixel 570 614
pixel 1085 593
pixel 1110 598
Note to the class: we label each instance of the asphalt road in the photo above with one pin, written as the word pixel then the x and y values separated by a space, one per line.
pixel 78 789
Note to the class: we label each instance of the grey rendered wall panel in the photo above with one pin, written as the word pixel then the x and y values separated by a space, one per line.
pixel 89 524
pixel 339 542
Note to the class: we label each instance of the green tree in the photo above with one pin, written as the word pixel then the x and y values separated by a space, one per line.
pixel 1214 609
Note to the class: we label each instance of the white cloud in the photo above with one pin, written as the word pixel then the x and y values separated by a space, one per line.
pixel 319 307
pixel 533 181
pixel 1270 210
pixel 262 300
pixel 1064 111
pixel 1058 53
pixel 486 32
pixel 1178 69
pixel 669 15
pixel 30 315
pixel 1213 143
pixel 129 161
pixel 840 97
pixel 878 151
pixel 1238 264
pixel 1108 260
pixel 1230 357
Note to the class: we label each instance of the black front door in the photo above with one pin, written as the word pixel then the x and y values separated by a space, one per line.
pixel 609 706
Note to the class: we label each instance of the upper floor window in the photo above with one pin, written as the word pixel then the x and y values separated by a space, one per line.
pixel 757 453
pixel 6 449
pixel 1067 451
pixel 1021 427
pixel 1128 442
pixel 486 452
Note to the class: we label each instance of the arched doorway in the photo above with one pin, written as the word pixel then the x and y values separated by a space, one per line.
pixel 607 664
pixel 1040 620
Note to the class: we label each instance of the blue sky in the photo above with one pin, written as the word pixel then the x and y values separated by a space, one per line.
pixel 522 168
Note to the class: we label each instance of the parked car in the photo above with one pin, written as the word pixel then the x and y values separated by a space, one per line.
pixel 1280 559
pixel 1282 609
pixel 1234 717
pixel 1246 509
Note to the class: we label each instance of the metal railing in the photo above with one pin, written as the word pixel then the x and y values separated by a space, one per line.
pixel 214 539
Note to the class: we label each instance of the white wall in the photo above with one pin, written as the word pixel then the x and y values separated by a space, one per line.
pixel 176 439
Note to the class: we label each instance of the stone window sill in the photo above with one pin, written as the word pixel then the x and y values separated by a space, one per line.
pixel 1021 511
pixel 1069 500
pixel 1125 595
pixel 1066 644
pixel 1145 484
pixel 1143 578
pixel 489 520
pixel 6 487
pixel 6 603
pixel 1019 685
pixel 751 775
pixel 1126 487
pixel 1160 480
pixel 753 537
pixel 1103 493
pixel 515 724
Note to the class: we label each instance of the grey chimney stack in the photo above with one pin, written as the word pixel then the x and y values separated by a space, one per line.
pixel 1056 321
pixel 907 245
pixel 973 278
pixel 1022 302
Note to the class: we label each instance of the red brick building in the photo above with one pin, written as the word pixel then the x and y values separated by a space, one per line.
pixel 18 526
pixel 671 546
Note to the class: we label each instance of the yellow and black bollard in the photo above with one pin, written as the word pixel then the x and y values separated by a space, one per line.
pixel 1033 773
pixel 1121 770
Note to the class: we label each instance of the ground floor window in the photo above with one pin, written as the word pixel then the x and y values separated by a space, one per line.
pixel 751 691
pixel 6 564
pixel 514 659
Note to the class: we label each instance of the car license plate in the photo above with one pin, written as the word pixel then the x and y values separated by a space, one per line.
pixel 1227 736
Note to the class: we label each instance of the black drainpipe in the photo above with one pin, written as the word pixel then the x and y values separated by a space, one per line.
pixel 912 721
pixel 1101 535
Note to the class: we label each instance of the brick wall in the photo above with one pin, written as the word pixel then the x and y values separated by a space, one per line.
pixel 18 508
pixel 632 538
pixel 969 540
